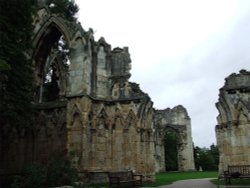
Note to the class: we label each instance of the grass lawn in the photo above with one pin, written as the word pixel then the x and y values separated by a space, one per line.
pixel 233 182
pixel 165 178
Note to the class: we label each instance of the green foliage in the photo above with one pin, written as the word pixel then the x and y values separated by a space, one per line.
pixel 58 172
pixel 4 66
pixel 34 176
pixel 15 40
pixel 170 151
pixel 66 8
pixel 215 153
pixel 234 182
pixel 207 159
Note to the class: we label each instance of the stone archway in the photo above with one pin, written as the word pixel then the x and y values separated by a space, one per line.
pixel 183 154
pixel 51 58
pixel 176 120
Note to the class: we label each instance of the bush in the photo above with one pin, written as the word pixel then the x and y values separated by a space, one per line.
pixel 34 175
pixel 58 172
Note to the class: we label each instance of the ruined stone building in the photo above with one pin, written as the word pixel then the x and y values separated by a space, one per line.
pixel 87 108
pixel 233 129
pixel 175 120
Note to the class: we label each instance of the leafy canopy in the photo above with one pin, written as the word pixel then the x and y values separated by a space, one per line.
pixel 66 8
pixel 15 40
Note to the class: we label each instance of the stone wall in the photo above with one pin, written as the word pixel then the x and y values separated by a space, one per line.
pixel 46 139
pixel 109 119
pixel 233 129
pixel 178 121
pixel 108 136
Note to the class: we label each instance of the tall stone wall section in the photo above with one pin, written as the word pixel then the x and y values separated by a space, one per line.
pixel 108 119
pixel 111 136
pixel 233 128
pixel 178 121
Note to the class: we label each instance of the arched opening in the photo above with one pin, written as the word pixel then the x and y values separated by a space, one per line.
pixel 171 150
pixel 51 65
pixel 175 147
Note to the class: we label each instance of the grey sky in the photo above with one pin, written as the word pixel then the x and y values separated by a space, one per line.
pixel 181 50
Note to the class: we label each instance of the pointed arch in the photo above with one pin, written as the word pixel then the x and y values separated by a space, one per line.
pixel 226 113
pixel 242 112
pixel 131 120
pixel 49 33
pixel 50 59
pixel 52 22
pixel 118 121
pixel 75 110
pixel 102 120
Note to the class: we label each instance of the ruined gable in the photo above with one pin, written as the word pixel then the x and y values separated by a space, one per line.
pixel 177 121
pixel 232 130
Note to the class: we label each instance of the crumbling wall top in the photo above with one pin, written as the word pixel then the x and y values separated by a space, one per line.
pixel 121 62
pixel 175 116
pixel 237 81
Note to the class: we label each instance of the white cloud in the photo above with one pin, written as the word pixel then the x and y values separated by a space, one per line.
pixel 181 50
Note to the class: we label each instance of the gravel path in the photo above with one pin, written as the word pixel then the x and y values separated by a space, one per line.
pixel 193 183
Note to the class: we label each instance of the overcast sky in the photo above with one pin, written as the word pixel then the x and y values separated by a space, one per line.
pixel 181 50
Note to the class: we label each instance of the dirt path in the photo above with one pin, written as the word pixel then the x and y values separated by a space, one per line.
pixel 193 183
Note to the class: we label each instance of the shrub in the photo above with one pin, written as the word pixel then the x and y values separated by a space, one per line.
pixel 34 175
pixel 57 172
pixel 60 172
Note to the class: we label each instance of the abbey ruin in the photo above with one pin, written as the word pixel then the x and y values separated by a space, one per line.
pixel 87 108
pixel 232 131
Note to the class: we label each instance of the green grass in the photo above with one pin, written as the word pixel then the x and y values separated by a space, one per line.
pixel 170 177
pixel 233 182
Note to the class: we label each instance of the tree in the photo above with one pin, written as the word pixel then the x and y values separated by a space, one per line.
pixel 66 8
pixel 170 141
pixel 207 159
pixel 215 153
pixel 15 41
pixel 16 74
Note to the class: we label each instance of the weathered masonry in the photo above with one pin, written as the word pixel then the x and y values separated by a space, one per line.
pixel 175 120
pixel 88 109
pixel 233 129
pixel 107 118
